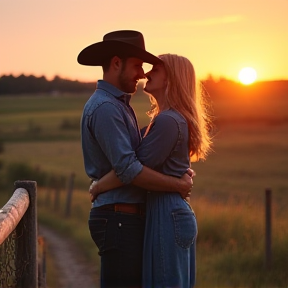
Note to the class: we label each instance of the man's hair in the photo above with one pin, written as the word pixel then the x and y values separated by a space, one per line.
pixel 106 62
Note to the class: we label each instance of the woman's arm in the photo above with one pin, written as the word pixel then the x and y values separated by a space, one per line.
pixel 108 182
pixel 147 179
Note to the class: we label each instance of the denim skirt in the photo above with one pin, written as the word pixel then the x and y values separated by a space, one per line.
pixel 169 256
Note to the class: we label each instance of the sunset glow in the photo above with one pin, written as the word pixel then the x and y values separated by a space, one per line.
pixel 38 39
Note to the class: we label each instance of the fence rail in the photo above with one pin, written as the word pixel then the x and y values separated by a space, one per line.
pixel 18 238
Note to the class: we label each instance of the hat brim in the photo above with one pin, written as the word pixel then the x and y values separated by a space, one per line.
pixel 97 53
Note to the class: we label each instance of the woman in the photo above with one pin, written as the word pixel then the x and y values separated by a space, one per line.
pixel 178 133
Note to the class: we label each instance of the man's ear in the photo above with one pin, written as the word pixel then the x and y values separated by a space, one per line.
pixel 116 63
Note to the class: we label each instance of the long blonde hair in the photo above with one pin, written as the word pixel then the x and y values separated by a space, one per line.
pixel 183 96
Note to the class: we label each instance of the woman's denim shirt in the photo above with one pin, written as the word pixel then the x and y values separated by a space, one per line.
pixel 110 136
pixel 165 148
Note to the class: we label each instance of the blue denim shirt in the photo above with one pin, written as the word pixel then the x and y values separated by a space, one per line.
pixel 110 136
pixel 165 148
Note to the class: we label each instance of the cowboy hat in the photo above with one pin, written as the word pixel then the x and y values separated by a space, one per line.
pixel 117 43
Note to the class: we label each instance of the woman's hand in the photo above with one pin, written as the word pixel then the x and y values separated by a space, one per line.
pixel 93 190
pixel 191 172
pixel 108 182
pixel 187 183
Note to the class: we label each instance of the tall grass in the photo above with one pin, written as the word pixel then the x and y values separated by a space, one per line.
pixel 231 245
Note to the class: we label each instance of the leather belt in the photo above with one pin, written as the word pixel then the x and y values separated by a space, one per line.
pixel 130 208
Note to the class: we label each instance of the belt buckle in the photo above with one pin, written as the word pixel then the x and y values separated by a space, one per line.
pixel 116 208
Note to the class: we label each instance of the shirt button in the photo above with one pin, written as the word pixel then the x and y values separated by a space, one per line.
pixel 119 225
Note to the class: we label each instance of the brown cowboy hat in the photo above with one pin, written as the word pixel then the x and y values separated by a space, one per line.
pixel 117 43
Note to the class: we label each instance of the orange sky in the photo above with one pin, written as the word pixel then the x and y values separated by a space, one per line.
pixel 44 37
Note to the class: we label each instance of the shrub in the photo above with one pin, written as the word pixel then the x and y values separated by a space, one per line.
pixel 22 171
pixel 70 124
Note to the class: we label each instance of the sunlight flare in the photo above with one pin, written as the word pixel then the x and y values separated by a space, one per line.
pixel 247 75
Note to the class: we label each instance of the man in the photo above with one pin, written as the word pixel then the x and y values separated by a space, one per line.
pixel 110 136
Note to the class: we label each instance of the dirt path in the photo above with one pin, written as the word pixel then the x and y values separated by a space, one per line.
pixel 74 270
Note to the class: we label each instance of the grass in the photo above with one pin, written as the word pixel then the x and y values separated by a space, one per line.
pixel 229 188
pixel 53 157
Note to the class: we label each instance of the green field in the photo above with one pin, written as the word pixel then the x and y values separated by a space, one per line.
pixel 49 118
pixel 250 155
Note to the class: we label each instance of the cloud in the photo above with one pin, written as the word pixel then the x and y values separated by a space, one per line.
pixel 217 20
pixel 207 22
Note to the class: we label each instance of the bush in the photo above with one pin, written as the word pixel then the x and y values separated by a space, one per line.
pixel 70 124
pixel 22 171
pixel 33 129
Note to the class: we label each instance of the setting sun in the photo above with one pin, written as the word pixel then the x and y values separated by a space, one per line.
pixel 247 75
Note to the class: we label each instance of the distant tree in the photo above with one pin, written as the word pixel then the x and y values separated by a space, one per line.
pixel 31 84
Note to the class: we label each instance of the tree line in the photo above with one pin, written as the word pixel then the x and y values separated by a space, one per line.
pixel 22 84
pixel 11 85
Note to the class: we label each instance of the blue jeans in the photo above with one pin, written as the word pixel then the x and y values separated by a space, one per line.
pixel 119 238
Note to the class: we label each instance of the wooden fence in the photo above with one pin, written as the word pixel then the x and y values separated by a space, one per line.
pixel 18 239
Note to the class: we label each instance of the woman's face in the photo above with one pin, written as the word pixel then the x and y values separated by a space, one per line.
pixel 157 81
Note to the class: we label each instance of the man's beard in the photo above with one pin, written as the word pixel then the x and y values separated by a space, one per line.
pixel 126 84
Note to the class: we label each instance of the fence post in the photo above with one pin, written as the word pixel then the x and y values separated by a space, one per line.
pixel 69 194
pixel 57 187
pixel 268 229
pixel 41 262
pixel 27 264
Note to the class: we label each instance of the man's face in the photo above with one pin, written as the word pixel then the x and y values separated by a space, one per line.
pixel 131 71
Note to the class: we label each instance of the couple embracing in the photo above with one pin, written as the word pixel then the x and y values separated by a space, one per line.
pixel 141 217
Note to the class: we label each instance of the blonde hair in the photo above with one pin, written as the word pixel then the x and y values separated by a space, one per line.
pixel 183 96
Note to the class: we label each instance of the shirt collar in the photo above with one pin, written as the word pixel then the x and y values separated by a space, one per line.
pixel 104 85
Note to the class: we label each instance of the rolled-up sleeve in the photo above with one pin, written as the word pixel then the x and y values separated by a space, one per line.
pixel 109 128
